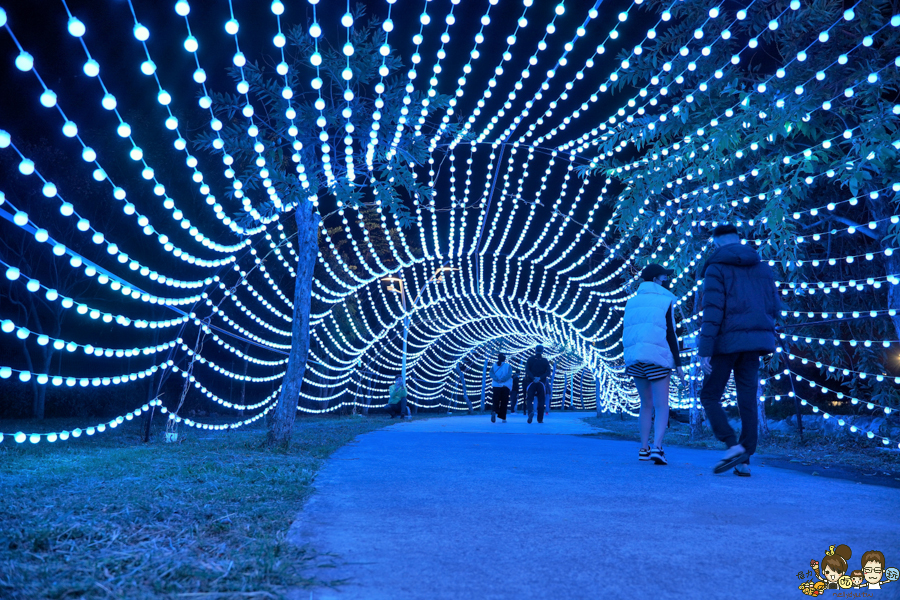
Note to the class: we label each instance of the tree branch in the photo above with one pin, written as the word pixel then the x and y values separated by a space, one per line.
pixel 863 229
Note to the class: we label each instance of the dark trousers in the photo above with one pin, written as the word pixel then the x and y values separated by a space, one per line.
pixel 536 390
pixel 745 366
pixel 395 410
pixel 501 401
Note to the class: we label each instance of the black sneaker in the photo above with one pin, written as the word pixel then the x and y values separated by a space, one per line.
pixel 493 418
pixel 658 456
pixel 742 470
pixel 529 419
pixel 644 454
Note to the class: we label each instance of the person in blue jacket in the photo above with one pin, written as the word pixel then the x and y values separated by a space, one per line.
pixel 740 303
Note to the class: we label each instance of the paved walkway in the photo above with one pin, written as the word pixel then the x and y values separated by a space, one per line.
pixel 451 509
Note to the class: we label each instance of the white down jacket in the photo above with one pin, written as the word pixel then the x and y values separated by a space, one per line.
pixel 644 329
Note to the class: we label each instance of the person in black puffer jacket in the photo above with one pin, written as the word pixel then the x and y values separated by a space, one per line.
pixel 740 302
pixel 536 370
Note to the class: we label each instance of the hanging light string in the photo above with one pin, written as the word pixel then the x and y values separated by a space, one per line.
pixel 546 294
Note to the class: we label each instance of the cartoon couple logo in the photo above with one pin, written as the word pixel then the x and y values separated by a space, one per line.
pixel 833 572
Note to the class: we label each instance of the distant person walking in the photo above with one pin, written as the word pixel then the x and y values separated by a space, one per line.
pixel 536 370
pixel 501 382
pixel 514 393
pixel 651 352
pixel 397 401
pixel 740 302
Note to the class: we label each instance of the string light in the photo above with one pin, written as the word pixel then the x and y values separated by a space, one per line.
pixel 530 265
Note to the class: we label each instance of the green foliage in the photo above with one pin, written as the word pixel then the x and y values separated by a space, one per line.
pixel 745 156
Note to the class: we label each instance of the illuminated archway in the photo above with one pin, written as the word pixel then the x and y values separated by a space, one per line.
pixel 544 244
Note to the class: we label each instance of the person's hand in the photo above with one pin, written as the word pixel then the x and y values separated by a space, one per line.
pixel 706 365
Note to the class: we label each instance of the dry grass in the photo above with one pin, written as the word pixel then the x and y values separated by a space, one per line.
pixel 815 447
pixel 110 517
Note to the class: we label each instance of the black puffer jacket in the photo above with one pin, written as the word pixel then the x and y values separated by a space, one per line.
pixel 740 303
pixel 537 367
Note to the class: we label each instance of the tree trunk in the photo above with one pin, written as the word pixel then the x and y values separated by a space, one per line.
pixel 799 416
pixel 581 390
pixel 696 412
pixel 484 382
pixel 281 425
pixel 462 382
pixel 244 380
pixel 40 394
pixel 148 416
pixel 696 421
pixel 550 394
pixel 40 391
pixel 763 425
pixel 151 395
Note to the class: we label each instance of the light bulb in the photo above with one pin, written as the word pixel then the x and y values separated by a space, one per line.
pixel 91 68
pixel 76 27
pixel 24 61
pixel 26 167
pixel 48 98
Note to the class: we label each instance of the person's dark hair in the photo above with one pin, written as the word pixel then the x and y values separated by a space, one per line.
pixel 653 270
pixel 500 358
pixel 873 556
pixel 857 573
pixel 837 561
pixel 725 229
pixel 539 349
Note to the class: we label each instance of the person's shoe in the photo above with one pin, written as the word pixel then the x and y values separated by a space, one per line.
pixel 529 419
pixel 658 456
pixel 742 470
pixel 493 418
pixel 644 454
pixel 503 421
pixel 733 457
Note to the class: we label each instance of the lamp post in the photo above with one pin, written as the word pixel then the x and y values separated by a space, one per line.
pixel 401 289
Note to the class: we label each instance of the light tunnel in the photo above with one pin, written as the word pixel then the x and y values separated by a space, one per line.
pixel 546 159
pixel 475 308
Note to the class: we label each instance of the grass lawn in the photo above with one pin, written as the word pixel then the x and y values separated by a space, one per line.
pixel 816 450
pixel 111 517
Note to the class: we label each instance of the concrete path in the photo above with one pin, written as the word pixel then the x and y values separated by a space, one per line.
pixel 451 509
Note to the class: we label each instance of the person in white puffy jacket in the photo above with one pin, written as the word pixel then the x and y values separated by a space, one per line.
pixel 651 353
